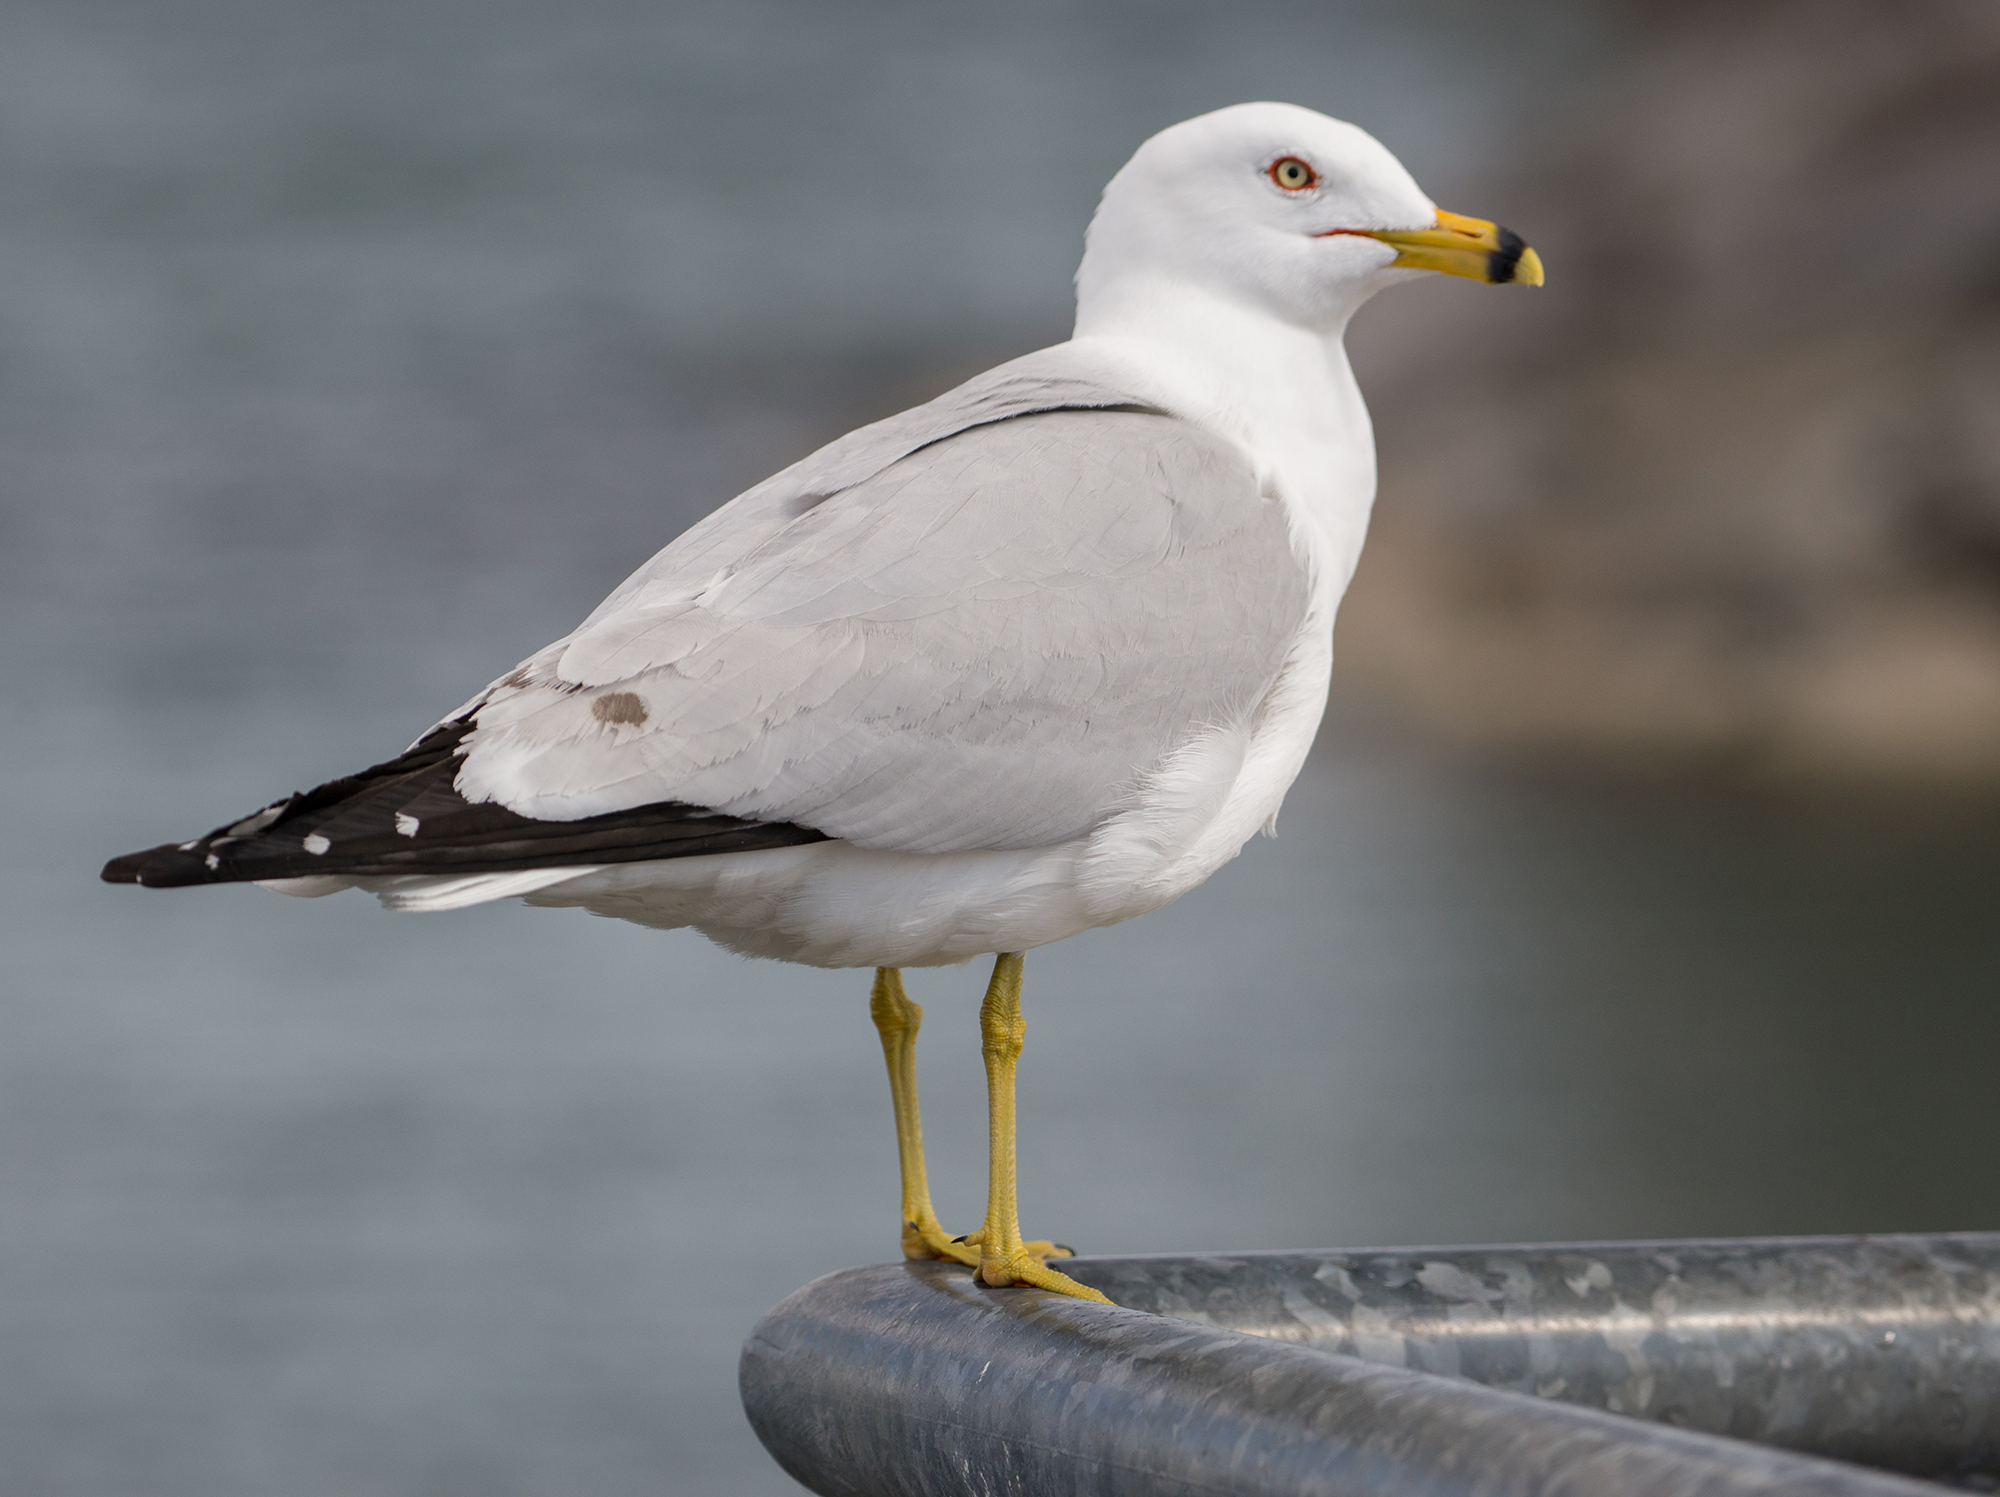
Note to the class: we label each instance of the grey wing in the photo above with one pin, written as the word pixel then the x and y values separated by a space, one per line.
pixel 983 644
pixel 1064 377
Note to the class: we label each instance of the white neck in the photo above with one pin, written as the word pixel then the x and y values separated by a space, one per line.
pixel 1285 392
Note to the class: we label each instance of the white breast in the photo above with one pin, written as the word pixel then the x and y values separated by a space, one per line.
pixel 1292 401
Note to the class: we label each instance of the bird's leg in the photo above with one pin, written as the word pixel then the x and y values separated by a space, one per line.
pixel 1003 1257
pixel 897 1018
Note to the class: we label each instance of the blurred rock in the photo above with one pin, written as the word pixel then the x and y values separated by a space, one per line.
pixel 1727 493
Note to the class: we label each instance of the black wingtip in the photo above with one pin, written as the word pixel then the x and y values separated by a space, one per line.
pixel 145 867
pixel 367 825
pixel 168 866
pixel 123 870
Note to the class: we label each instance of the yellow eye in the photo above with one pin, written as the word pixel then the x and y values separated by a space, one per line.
pixel 1293 174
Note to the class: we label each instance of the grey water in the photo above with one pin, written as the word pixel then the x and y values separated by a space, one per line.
pixel 349 353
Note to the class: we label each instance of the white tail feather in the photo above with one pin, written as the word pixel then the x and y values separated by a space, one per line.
pixel 423 893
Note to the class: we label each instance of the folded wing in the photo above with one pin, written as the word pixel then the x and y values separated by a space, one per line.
pixel 983 645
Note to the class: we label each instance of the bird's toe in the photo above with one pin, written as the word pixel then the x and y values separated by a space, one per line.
pixel 1020 1268
pixel 926 1239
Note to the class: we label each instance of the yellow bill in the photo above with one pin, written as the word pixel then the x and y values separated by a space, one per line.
pixel 1463 246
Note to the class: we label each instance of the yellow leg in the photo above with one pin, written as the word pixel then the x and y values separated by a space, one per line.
pixel 897 1019
pixel 1003 1257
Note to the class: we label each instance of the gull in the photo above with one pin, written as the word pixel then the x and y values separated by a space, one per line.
pixel 1036 657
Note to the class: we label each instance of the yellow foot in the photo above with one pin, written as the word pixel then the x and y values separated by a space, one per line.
pixel 1041 1252
pixel 1021 1267
pixel 926 1239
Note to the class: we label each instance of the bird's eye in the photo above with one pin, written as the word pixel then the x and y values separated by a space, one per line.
pixel 1293 174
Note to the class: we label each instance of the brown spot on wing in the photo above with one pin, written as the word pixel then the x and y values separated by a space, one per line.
pixel 619 707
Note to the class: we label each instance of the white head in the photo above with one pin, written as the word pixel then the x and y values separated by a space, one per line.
pixel 1277 208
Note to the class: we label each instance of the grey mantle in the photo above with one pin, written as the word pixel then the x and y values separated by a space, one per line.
pixel 1497 1370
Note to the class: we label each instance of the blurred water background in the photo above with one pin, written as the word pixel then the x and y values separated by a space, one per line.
pixel 1644 883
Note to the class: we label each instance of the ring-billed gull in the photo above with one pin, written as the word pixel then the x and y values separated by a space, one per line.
pixel 1035 657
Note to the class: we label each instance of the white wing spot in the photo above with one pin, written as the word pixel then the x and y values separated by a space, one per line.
pixel 407 824
pixel 213 862
pixel 256 821
pixel 317 845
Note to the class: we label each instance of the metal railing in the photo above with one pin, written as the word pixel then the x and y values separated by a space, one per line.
pixel 1497 1370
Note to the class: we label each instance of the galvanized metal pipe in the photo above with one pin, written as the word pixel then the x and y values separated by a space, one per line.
pixel 1884 1350
pixel 913 1379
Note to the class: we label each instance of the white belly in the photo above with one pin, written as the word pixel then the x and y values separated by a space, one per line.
pixel 832 904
